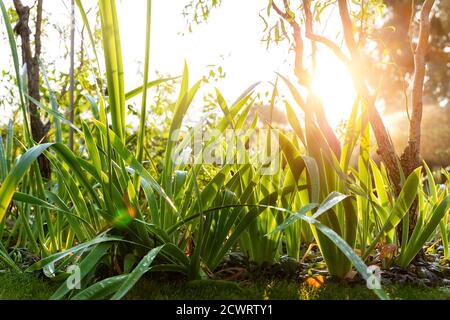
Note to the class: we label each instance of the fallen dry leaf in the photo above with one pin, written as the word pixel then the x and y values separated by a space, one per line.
pixel 388 251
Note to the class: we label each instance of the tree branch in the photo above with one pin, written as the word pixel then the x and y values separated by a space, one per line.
pixel 348 28
pixel 302 76
pixel 37 36
pixel 309 30
pixel 419 76
pixel 321 39
pixel 324 125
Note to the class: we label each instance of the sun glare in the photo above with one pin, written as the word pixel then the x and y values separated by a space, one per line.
pixel 332 83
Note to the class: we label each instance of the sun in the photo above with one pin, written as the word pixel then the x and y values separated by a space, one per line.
pixel 332 83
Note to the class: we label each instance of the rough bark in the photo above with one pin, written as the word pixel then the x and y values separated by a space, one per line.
pixel 39 130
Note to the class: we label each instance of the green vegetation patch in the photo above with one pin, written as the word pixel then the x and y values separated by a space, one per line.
pixel 25 286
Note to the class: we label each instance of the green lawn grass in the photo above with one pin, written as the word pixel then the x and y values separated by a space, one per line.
pixel 27 286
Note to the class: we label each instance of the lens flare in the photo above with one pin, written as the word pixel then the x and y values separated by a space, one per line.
pixel 125 215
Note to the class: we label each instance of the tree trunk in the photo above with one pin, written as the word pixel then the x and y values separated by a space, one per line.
pixel 411 158
pixel 39 130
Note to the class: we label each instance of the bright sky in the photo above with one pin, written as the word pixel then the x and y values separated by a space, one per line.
pixel 231 38
pixel 233 32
